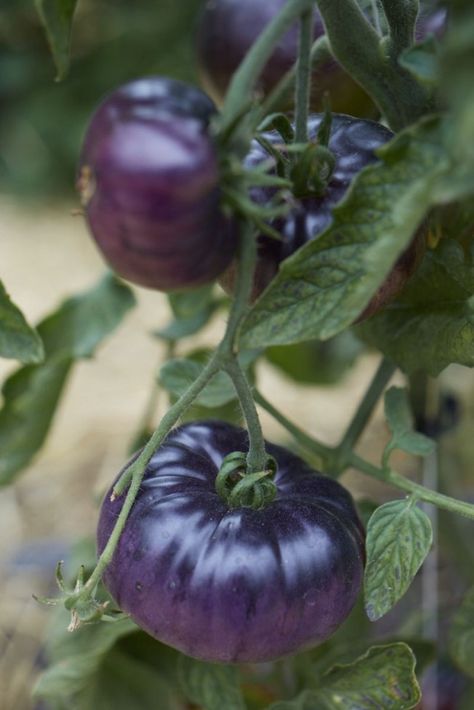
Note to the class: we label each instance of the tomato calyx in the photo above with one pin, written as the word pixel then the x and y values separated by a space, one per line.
pixel 240 488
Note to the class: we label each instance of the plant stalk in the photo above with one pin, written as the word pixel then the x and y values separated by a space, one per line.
pixel 303 77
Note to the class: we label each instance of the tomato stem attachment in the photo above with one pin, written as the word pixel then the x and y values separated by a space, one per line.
pixel 238 488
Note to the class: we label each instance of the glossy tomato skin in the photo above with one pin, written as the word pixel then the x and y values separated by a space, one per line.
pixel 227 30
pixel 237 585
pixel 149 180
pixel 353 142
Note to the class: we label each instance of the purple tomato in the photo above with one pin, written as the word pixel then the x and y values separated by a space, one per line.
pixel 233 585
pixel 149 181
pixel 353 142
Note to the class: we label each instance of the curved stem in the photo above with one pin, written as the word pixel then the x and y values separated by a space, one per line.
pixel 257 456
pixel 322 450
pixel 246 75
pixel 303 77
pixel 367 405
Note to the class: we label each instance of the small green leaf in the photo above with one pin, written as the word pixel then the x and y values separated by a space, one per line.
pixel 399 537
pixel 461 638
pixel 431 325
pixel 178 374
pixel 192 310
pixel 384 677
pixel 422 60
pixel 17 339
pixel 327 283
pixel 31 394
pixel 400 421
pixel 211 686
pixel 57 16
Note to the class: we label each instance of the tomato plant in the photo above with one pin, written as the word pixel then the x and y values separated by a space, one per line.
pixel 231 572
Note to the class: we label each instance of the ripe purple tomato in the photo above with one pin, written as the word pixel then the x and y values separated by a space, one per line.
pixel 353 142
pixel 228 28
pixel 233 585
pixel 149 181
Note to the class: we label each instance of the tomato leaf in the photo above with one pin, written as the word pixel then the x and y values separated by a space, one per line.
pixel 400 421
pixel 461 638
pixel 422 60
pixel 192 310
pixel 177 374
pixel 209 685
pixel 17 339
pixel 326 284
pixel 384 677
pixel 399 537
pixel 431 325
pixel 57 16
pixel 31 394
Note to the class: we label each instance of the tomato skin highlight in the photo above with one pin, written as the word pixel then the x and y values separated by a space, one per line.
pixel 240 585
pixel 149 179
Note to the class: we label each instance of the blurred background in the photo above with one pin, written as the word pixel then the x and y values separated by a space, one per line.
pixel 46 255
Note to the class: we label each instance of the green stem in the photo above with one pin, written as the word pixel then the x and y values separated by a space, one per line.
pixel 421 492
pixel 357 47
pixel 319 55
pixel 303 77
pixel 257 456
pixel 322 450
pixel 366 406
pixel 401 17
pixel 247 74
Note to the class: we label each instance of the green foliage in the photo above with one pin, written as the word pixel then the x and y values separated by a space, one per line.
pixel 399 537
pixel 431 325
pixel 400 422
pixel 57 16
pixel 384 677
pixel 326 284
pixel 462 635
pixel 422 60
pixel 192 310
pixel 209 685
pixel 31 394
pixel 17 339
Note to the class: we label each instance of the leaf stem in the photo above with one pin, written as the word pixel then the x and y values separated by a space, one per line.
pixel 303 77
pixel 401 17
pixel 256 457
pixel 366 407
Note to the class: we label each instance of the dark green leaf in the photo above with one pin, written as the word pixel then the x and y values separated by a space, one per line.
pixel 211 686
pixel 384 677
pixel 17 339
pixel 326 284
pixel 461 640
pixel 31 394
pixel 431 325
pixel 422 60
pixel 399 537
pixel 57 16
pixel 400 421
pixel 176 375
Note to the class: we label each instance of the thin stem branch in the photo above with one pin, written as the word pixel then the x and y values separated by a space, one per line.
pixel 249 70
pixel 256 457
pixel 320 54
pixel 322 450
pixel 303 77
pixel 367 405
pixel 401 17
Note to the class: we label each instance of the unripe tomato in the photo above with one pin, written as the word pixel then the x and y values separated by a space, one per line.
pixel 353 142
pixel 233 585
pixel 149 181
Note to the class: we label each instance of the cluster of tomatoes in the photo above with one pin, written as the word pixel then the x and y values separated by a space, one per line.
pixel 219 583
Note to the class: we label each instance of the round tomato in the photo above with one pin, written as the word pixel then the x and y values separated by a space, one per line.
pixel 233 585
pixel 149 182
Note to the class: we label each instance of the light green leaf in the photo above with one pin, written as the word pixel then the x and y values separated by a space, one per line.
pixel 31 394
pixel 57 16
pixel 17 339
pixel 327 283
pixel 461 638
pixel 400 421
pixel 399 537
pixel 422 60
pixel 384 677
pixel 192 310
pixel 211 686
pixel 431 325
